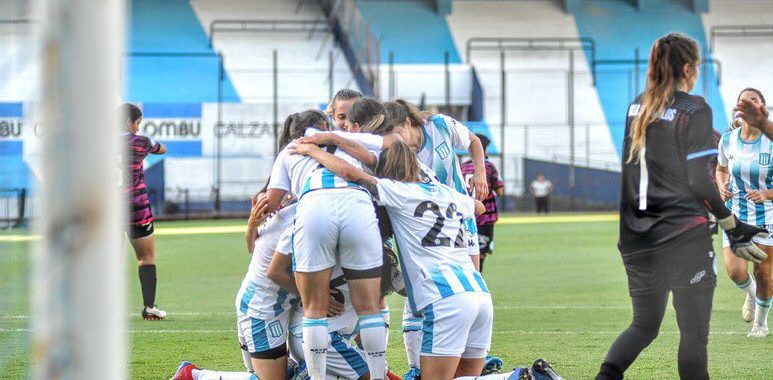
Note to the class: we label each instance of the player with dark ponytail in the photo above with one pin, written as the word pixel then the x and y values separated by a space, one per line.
pixel 140 230
pixel 665 241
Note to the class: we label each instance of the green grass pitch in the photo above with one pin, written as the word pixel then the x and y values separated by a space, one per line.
pixel 559 292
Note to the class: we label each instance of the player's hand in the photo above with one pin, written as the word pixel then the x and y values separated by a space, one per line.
pixel 250 236
pixel 756 196
pixel 725 193
pixel 321 138
pixel 740 236
pixel 480 208
pixel 259 210
pixel 481 185
pixel 334 308
pixel 756 115
pixel 304 149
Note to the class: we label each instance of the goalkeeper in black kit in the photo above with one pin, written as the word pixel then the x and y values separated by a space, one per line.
pixel 665 241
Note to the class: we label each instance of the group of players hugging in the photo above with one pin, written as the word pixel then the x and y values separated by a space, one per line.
pixel 369 199
pixel 363 200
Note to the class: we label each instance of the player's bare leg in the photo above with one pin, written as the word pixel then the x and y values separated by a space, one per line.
pixel 763 273
pixel 470 366
pixel 270 368
pixel 738 271
pixel 440 367
pixel 145 251
pixel 314 290
pixel 366 299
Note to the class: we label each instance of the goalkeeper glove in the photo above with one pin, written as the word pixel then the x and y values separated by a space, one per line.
pixel 740 236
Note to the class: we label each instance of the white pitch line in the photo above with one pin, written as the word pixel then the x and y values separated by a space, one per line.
pixel 499 332
pixel 173 314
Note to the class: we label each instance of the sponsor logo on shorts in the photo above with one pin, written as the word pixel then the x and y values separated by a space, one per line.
pixel 698 276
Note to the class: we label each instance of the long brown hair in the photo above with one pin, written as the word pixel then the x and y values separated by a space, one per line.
pixel 296 124
pixel 398 162
pixel 370 115
pixel 398 110
pixel 668 56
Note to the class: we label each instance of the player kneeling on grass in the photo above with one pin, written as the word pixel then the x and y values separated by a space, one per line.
pixel 345 360
pixel 262 307
pixel 427 220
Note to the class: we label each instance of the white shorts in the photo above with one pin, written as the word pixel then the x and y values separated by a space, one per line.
pixel 767 241
pixel 459 325
pixel 336 226
pixel 260 335
pixel 344 359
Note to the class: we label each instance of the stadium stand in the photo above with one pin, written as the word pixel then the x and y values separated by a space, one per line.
pixel 735 53
pixel 204 72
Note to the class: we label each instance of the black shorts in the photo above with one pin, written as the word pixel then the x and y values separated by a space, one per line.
pixel 688 262
pixel 486 238
pixel 139 231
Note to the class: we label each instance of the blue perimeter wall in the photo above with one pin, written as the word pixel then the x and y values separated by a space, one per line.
pixel 618 28
pixel 14 172
pixel 589 184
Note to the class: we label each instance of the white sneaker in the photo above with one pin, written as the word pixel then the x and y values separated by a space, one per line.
pixel 152 314
pixel 758 331
pixel 748 309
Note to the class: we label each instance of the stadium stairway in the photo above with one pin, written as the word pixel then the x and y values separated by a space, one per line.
pixel 536 85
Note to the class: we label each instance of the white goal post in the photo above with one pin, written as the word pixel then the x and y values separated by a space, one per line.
pixel 78 272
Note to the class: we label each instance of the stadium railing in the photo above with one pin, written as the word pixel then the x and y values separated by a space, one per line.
pixel 16 207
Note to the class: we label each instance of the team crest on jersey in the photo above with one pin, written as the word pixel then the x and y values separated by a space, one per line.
pixel 443 150
pixel 764 159
pixel 276 330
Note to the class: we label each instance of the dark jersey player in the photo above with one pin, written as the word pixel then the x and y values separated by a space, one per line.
pixel 666 189
pixel 486 220
pixel 140 228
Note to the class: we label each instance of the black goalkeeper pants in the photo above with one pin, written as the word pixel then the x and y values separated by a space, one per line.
pixel 685 271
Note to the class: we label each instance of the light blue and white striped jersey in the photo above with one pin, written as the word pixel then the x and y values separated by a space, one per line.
pixel 427 222
pixel 259 297
pixel 442 136
pixel 750 167
pixel 300 174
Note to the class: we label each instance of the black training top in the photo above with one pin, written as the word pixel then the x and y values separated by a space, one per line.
pixel 670 193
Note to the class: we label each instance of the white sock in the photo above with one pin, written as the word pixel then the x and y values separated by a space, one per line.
pixel 750 286
pixel 412 336
pixel 385 314
pixel 204 374
pixel 316 339
pixel 373 338
pixel 761 311
pixel 246 358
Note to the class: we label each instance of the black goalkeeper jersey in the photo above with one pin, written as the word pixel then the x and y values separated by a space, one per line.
pixel 664 196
